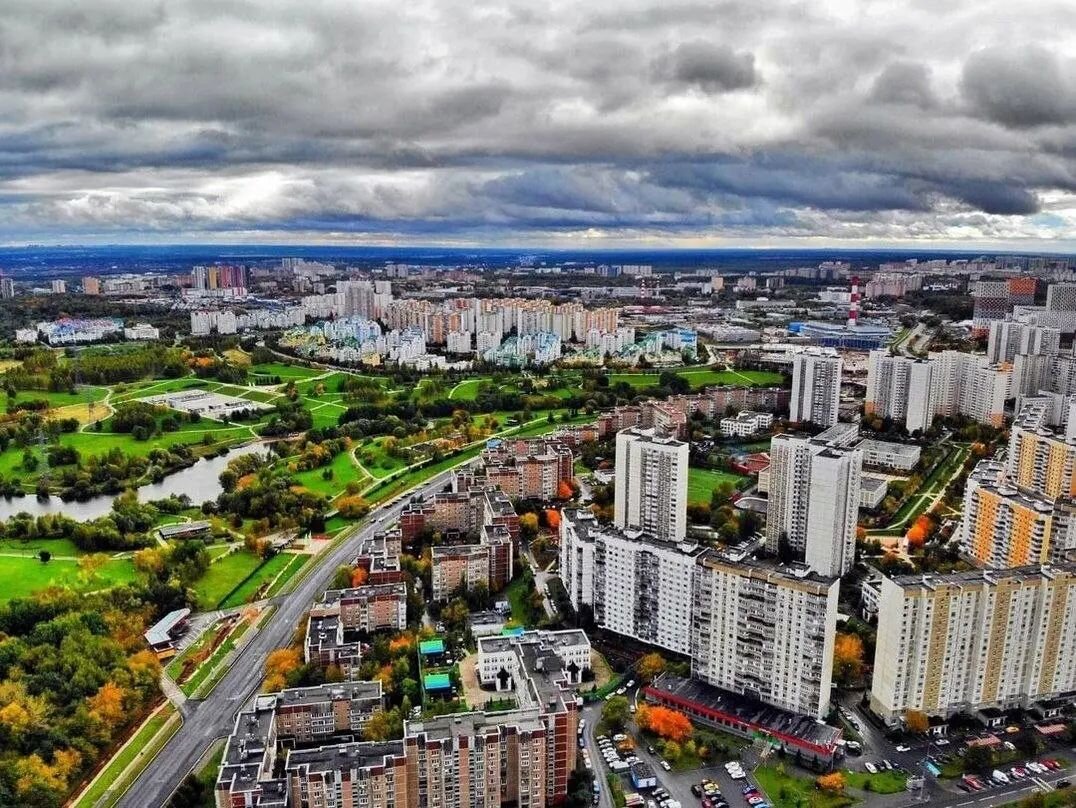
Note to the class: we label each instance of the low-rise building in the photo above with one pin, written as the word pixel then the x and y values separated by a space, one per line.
pixel 746 423
pixel 882 454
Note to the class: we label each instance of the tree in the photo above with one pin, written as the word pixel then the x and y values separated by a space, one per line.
pixel 978 757
pixel 44 556
pixel 670 724
pixel 650 666
pixel 106 705
pixel 848 662
pixel 383 725
pixel 832 783
pixel 916 721
pixel 672 751
pixel 615 712
pixel 528 525
pixel 278 665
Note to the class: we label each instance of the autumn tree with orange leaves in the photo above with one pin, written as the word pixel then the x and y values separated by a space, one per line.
pixel 848 658
pixel 832 783
pixel 278 665
pixel 667 723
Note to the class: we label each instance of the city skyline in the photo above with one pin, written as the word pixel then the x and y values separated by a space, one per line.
pixel 824 125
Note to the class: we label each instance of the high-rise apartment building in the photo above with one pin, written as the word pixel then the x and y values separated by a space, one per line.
pixel 1002 526
pixel 7 288
pixel 966 384
pixel 814 494
pixel 59 286
pixel 898 387
pixel 816 388
pixel 984 639
pixel 637 585
pixel 91 285
pixel 651 484
pixel 765 631
pixel 1008 338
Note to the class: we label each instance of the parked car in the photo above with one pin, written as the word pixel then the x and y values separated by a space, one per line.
pixel 665 765
pixel 903 748
pixel 870 767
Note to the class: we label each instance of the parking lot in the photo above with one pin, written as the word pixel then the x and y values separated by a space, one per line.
pixel 982 792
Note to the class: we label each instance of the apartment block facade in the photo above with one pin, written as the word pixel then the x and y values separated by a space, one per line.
pixel 651 484
pixel 978 640
pixel 816 388
pixel 814 495
pixel 764 631
pixel 898 388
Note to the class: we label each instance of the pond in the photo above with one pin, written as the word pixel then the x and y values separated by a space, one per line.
pixel 199 482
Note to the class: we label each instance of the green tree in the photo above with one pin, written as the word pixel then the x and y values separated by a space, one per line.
pixel 615 712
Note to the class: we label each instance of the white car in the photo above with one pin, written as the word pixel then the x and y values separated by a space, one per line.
pixel 870 767
pixel 903 748
pixel 665 765
pixel 942 742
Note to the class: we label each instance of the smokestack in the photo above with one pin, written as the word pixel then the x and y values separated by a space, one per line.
pixel 853 306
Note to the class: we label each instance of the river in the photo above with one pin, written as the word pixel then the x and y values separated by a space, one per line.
pixel 199 482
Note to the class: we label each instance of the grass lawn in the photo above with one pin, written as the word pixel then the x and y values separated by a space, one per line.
pixel 82 395
pixel 100 442
pixel 145 744
pixel 516 593
pixel 222 576
pixel 296 561
pixel 265 573
pixel 344 471
pixel 786 791
pixel 337 523
pixel 155 387
pixel 21 577
pixel 702 377
pixel 284 371
pixel 702 482
pixel 30 547
pixel 466 390
pixel 884 782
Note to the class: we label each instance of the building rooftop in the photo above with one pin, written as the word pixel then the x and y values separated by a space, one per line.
pixel 979 577
pixel 742 562
pixel 344 757
pixel 872 445
pixel 588 528
pixel 773 720
pixel 161 631
pixel 364 591
pixel 298 696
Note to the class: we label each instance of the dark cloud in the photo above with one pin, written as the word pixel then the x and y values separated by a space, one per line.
pixel 1020 86
pixel 710 67
pixel 462 119
pixel 904 83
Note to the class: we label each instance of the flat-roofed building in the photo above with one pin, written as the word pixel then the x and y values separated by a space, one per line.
pixel 972 641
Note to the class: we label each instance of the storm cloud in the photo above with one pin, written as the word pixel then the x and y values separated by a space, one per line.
pixel 442 120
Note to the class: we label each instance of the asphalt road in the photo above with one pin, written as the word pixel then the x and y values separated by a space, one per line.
pixel 214 717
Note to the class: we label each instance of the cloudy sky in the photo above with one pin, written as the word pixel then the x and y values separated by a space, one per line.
pixel 597 123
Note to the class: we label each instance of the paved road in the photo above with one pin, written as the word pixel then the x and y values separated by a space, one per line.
pixel 214 717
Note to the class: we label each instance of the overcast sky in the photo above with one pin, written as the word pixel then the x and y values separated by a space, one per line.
pixel 582 123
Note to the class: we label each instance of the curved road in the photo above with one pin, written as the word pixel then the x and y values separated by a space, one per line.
pixel 214 717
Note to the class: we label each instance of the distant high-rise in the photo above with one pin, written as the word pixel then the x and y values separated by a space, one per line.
pixel 1008 338
pixel 59 286
pixel 91 285
pixel 651 484
pixel 7 288
pixel 816 388
pixel 898 387
pixel 814 493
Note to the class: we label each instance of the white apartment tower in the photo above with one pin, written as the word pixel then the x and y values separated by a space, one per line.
pixel 898 387
pixel 814 493
pixel 983 639
pixel 651 484
pixel 816 388
pixel 765 630
pixel 1009 338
